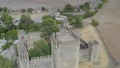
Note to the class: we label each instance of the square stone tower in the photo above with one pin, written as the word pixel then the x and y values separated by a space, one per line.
pixel 65 47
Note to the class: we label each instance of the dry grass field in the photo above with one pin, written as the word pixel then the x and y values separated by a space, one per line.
pixel 16 4
pixel 110 33
pixel 109 18
pixel 110 13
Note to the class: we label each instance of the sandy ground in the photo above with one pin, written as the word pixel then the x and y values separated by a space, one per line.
pixel 16 4
pixel 89 33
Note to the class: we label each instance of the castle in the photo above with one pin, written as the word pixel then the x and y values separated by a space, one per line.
pixel 67 49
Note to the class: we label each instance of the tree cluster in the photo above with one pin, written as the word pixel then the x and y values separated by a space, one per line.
pixel 3 9
pixel 76 21
pixel 49 26
pixel 28 24
pixel 9 30
pixel 85 6
pixel 40 48
pixel 68 8
pixel 29 10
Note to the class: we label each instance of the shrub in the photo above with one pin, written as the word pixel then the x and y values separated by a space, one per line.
pixel 68 8
pixel 5 9
pixel 23 10
pixel 85 6
pixel 100 6
pixel 78 22
pixel 30 10
pixel 94 23
pixel 1 9
pixel 6 46
pixel 43 8
pixel 89 14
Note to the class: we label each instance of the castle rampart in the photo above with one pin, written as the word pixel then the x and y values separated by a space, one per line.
pixel 42 62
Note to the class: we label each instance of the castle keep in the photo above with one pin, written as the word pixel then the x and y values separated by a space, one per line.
pixel 68 49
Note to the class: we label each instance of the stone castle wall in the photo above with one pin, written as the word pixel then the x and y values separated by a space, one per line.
pixel 42 62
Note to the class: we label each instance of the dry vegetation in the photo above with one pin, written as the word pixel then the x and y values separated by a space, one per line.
pixel 110 35
pixel 109 30
pixel 110 13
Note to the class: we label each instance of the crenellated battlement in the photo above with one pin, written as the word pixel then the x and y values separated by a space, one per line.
pixel 42 57
pixel 94 43
pixel 68 42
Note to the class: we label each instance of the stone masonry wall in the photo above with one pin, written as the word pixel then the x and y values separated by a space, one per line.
pixel 42 62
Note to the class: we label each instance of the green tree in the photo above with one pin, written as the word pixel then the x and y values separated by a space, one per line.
pixel 34 27
pixel 35 53
pixel 1 9
pixel 2 29
pixel 5 9
pixel 7 20
pixel 49 26
pixel 100 6
pixel 11 34
pixel 25 22
pixel 68 8
pixel 71 19
pixel 30 10
pixel 5 63
pixel 95 23
pixel 85 6
pixel 23 10
pixel 40 48
pixel 43 8
pixel 78 22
